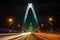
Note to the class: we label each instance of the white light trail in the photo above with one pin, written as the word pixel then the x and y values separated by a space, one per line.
pixel 14 36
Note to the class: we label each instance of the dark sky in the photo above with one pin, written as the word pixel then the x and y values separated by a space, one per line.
pixel 17 8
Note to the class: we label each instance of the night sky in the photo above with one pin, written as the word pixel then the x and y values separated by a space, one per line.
pixel 16 9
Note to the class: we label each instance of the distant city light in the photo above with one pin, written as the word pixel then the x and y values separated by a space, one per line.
pixel 42 25
pixel 18 25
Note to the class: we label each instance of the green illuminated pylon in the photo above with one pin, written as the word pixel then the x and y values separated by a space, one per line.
pixel 30 28
pixel 30 5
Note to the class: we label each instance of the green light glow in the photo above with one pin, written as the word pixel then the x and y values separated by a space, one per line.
pixel 30 27
pixel 32 8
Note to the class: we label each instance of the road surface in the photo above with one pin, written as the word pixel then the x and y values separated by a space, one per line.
pixel 30 36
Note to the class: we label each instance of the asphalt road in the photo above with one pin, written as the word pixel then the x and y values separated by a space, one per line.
pixel 30 36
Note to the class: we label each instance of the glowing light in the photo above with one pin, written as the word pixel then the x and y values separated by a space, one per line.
pixel 30 27
pixel 30 5
pixel 19 25
pixel 10 20
pixel 50 19
pixel 42 25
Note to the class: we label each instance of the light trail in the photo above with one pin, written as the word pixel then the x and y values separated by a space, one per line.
pixel 15 36
pixel 31 36
pixel 48 36
pixel 21 37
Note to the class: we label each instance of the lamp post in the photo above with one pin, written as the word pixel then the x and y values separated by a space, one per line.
pixel 50 22
pixel 10 21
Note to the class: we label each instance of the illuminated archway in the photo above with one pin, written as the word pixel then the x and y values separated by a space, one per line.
pixel 30 5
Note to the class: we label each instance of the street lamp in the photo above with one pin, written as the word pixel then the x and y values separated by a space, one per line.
pixel 50 22
pixel 50 19
pixel 10 20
